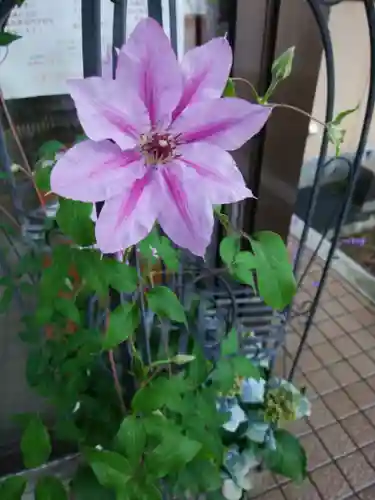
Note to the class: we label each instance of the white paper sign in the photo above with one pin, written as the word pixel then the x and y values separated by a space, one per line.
pixel 50 50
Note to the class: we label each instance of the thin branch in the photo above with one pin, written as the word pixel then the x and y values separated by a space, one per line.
pixel 116 381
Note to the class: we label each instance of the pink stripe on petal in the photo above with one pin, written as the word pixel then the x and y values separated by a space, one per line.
pixel 95 171
pixel 130 203
pixel 225 122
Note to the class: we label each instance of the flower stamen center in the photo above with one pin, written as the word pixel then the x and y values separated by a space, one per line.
pixel 158 148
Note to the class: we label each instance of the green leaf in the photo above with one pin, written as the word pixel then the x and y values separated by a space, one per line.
pixel 172 454
pixel 230 89
pixel 13 488
pixel 275 278
pixel 49 149
pixel 230 344
pixel 73 218
pixel 243 274
pixel 282 66
pixel 223 375
pixel 158 393
pixel 50 488
pixel 85 486
pixel 245 259
pixel 119 275
pixel 35 443
pixel 343 114
pixel 229 248
pixel 131 439
pixel 289 457
pixel 111 469
pixel 6 38
pixel 182 359
pixel 67 308
pixel 123 321
pixel 163 302
pixel 42 178
pixel 150 492
pixel 243 367
pixel 168 253
pixel 6 299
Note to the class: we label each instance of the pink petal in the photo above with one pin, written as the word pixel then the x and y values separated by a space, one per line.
pixel 156 74
pixel 107 110
pixel 95 171
pixel 128 218
pixel 217 171
pixel 227 122
pixel 206 70
pixel 186 214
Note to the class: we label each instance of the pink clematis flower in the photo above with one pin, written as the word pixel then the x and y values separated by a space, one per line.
pixel 158 140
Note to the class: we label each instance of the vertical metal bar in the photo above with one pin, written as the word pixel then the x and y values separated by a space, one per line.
pixel 173 23
pixel 119 23
pixel 370 17
pixel 321 21
pixel 155 10
pixel 91 40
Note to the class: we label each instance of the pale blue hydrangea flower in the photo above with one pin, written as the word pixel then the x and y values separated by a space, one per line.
pixel 237 415
pixel 303 405
pixel 252 390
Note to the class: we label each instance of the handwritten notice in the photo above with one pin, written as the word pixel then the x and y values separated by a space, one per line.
pixel 50 50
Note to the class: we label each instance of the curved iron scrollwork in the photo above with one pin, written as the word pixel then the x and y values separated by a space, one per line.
pixel 308 309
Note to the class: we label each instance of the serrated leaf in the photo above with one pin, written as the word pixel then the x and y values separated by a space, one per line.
pixel 119 275
pixel 163 302
pixel 289 457
pixel 123 322
pixel 131 439
pixel 85 486
pixel 67 308
pixel 172 454
pixel 6 38
pixel 13 488
pixel 229 248
pixel 275 278
pixel 74 219
pixel 50 488
pixel 245 368
pixel 111 469
pixel 159 393
pixel 35 444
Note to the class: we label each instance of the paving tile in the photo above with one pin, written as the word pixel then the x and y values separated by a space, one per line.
pixel 346 346
pixel 369 452
pixel 331 329
pixel 362 364
pixel 320 315
pixel 292 342
pixel 331 483
pixel 350 302
pixel 302 382
pixel 364 316
pixel 336 440
pixel 371 381
pixel 371 353
pixel 343 373
pixel 315 451
pixel 362 394
pixel 339 403
pixel 348 323
pixel 272 495
pixel 370 414
pixel 306 491
pixel 327 353
pixel 308 361
pixel 322 381
pixel 368 493
pixel 315 337
pixel 359 429
pixel 336 289
pixel 333 308
pixel 364 339
pixel 320 416
pixel 299 427
pixel 263 481
pixel 356 470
